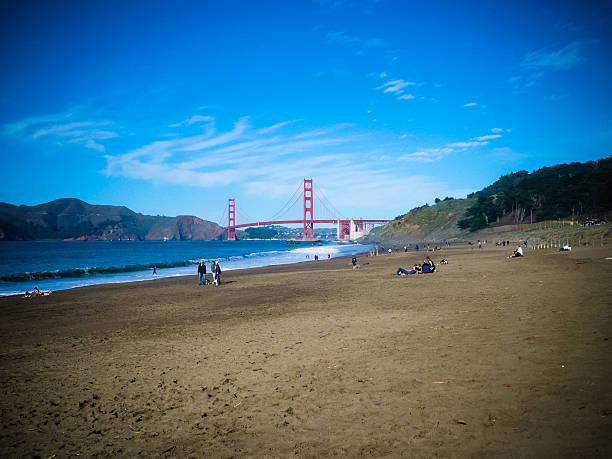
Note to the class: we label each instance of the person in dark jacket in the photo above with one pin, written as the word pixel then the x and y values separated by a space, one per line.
pixel 202 273
pixel 217 273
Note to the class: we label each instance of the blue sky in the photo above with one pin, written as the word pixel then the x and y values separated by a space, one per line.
pixel 172 107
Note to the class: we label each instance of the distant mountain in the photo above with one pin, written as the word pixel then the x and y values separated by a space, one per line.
pixel 75 219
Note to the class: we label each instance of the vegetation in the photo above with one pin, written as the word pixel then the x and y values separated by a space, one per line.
pixel 576 191
pixel 265 232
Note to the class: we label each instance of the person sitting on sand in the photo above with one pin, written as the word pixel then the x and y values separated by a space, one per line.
pixel 518 252
pixel 428 266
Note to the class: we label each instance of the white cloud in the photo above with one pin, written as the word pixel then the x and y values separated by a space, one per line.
pixel 275 127
pixel 470 104
pixel 488 137
pixel 466 144
pixel 405 97
pixel 383 75
pixel 496 130
pixel 429 155
pixel 396 86
pixel 62 127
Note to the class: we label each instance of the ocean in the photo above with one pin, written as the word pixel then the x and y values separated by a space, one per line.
pixel 59 265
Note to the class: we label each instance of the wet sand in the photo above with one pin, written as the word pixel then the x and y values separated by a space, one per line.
pixel 488 357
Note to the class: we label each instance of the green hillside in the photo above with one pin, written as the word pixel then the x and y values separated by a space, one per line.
pixel 436 222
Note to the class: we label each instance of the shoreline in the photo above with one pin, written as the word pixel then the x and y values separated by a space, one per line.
pixel 488 356
pixel 107 279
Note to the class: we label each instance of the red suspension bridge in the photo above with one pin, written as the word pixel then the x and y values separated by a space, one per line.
pixel 347 228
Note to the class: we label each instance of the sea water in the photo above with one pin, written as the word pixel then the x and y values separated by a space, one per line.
pixel 58 265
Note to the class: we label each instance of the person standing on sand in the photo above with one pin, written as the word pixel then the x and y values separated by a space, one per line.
pixel 354 261
pixel 202 273
pixel 154 270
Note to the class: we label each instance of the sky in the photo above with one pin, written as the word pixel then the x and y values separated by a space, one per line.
pixel 171 108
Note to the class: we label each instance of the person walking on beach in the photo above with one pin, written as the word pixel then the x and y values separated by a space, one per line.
pixel 217 273
pixel 202 273
pixel 212 271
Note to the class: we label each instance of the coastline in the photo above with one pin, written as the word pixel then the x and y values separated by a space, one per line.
pixel 488 356
pixel 54 281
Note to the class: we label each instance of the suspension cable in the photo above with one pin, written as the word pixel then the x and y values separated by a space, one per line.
pixel 284 209
pixel 338 214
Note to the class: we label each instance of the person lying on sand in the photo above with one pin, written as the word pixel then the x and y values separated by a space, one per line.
pixel 37 292
pixel 416 269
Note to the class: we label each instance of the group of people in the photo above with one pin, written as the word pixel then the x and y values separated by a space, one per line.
pixel 215 269
pixel 427 267
pixel 37 292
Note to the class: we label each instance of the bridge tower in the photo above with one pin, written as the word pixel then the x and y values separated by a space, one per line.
pixel 231 220
pixel 308 210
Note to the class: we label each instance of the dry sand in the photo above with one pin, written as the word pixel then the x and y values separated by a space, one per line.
pixel 488 357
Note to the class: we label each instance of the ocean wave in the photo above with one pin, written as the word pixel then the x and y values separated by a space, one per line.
pixel 82 272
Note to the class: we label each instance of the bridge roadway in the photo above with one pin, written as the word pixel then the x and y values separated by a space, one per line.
pixel 285 222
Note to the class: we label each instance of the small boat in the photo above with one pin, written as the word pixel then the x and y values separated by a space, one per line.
pixel 293 241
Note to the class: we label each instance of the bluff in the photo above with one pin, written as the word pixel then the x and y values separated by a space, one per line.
pixel 576 191
pixel 75 219
pixel 436 222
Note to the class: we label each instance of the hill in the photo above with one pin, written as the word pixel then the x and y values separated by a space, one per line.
pixel 579 191
pixel 75 219
pixel 437 222
pixel 576 191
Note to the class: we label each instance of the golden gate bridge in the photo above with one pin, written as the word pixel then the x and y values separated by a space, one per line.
pixel 347 228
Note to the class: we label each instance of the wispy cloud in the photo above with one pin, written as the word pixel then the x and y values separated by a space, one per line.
pixel 428 155
pixel 562 59
pixel 525 81
pixel 487 137
pixel 62 128
pixel 405 97
pixel 240 154
pixel 194 119
pixel 497 130
pixel 395 86
pixel 470 104
pixel 275 127
pixel 470 144
pixel 536 63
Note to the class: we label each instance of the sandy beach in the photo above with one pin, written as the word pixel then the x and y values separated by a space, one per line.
pixel 487 357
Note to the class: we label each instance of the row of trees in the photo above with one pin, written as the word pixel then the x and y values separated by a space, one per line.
pixel 576 190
